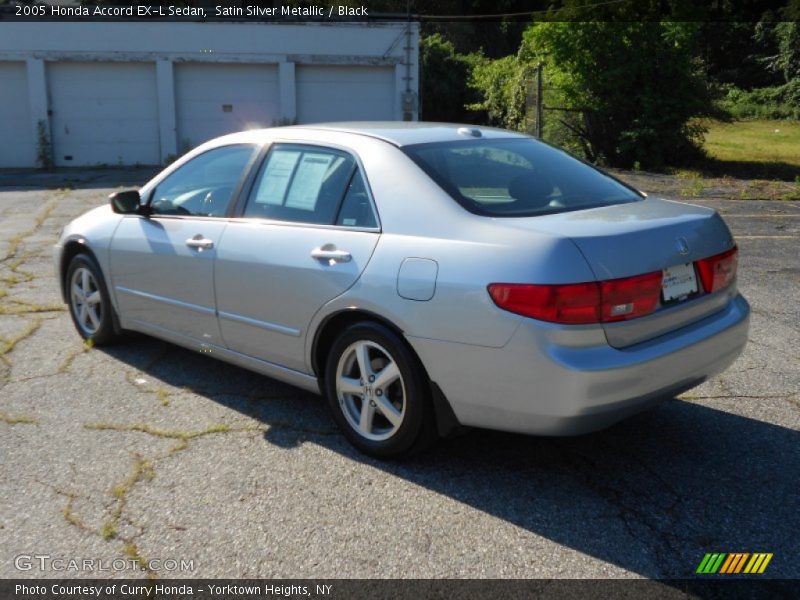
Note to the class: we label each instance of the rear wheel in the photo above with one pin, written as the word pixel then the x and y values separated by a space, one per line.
pixel 378 392
pixel 89 302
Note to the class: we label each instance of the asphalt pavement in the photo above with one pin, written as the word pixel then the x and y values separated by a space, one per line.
pixel 146 450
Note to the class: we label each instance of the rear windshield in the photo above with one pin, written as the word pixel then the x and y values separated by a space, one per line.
pixel 516 177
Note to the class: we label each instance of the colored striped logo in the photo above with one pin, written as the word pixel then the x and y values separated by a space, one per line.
pixel 735 562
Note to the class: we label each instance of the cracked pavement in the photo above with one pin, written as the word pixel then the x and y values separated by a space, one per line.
pixel 146 450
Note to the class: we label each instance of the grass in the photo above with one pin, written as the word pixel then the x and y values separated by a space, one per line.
pixel 754 141
pixel 757 148
pixel 17 420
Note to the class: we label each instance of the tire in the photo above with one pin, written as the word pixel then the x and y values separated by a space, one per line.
pixel 89 303
pixel 400 420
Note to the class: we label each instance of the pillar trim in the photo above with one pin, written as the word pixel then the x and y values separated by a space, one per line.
pixel 167 126
pixel 38 101
pixel 287 85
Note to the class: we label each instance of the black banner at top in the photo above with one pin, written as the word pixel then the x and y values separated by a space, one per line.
pixel 416 10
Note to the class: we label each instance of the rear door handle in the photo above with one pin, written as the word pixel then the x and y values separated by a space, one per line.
pixel 200 242
pixel 331 255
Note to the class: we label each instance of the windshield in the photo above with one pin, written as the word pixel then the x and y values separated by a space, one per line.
pixel 516 177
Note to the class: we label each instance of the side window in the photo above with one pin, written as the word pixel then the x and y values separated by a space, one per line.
pixel 204 186
pixel 356 209
pixel 304 184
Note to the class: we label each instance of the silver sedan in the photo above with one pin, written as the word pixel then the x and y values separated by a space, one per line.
pixel 423 277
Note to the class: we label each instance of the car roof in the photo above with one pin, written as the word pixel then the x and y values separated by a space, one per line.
pixel 402 133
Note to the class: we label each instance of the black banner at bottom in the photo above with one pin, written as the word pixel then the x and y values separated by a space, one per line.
pixel 401 589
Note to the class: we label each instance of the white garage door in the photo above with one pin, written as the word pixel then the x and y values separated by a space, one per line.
pixel 344 93
pixel 104 113
pixel 215 99
pixel 18 148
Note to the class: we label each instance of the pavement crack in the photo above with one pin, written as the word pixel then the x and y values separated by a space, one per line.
pixel 7 344
pixel 732 396
pixel 18 419
pixel 73 354
pixel 16 240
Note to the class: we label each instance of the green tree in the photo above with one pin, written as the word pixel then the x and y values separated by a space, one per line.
pixel 444 75
pixel 502 87
pixel 626 92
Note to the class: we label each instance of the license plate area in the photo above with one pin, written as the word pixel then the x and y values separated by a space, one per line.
pixel 679 283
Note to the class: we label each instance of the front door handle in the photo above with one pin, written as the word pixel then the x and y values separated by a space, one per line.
pixel 329 253
pixel 200 242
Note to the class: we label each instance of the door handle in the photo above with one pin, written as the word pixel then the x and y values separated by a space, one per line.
pixel 331 255
pixel 200 242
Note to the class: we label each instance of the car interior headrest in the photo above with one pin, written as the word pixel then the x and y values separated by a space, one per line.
pixel 532 189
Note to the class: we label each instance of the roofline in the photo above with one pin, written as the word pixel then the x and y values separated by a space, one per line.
pixel 371 134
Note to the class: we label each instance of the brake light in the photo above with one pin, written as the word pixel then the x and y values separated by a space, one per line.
pixel 717 272
pixel 581 303
pixel 630 297
pixel 572 303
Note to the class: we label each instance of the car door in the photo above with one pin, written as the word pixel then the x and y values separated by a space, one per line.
pixel 307 231
pixel 162 264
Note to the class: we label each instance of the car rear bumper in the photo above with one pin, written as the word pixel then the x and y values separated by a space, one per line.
pixel 552 380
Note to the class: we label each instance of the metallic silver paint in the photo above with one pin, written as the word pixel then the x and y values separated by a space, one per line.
pixel 264 295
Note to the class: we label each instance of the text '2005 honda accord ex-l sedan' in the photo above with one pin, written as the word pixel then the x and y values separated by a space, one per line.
pixel 423 277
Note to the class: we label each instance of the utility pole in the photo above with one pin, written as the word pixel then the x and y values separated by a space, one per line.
pixel 539 101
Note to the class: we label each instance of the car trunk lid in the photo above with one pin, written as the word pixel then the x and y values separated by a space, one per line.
pixel 650 235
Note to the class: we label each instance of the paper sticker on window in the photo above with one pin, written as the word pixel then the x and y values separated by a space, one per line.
pixel 308 181
pixel 276 177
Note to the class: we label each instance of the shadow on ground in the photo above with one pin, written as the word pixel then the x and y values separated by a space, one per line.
pixel 742 169
pixel 20 180
pixel 651 495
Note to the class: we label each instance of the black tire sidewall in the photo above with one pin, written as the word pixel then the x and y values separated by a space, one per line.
pixel 418 413
pixel 105 333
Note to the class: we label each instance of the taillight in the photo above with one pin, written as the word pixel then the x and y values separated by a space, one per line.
pixel 630 297
pixel 581 303
pixel 571 303
pixel 717 272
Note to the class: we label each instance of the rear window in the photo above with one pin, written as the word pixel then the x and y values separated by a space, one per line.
pixel 518 177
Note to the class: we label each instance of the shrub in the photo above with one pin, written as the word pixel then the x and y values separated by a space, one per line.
pixel 777 102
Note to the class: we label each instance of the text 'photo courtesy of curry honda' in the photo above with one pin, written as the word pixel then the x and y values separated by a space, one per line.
pixel 422 276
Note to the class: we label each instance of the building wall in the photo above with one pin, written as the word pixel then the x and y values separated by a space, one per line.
pixel 127 93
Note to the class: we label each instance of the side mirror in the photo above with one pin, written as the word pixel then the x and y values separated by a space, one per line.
pixel 125 203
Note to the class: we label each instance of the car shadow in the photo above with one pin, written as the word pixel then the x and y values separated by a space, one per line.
pixel 651 495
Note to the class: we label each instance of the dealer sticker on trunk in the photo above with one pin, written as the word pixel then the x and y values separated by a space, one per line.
pixel 679 282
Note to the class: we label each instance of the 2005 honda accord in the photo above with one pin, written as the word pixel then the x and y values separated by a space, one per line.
pixel 421 276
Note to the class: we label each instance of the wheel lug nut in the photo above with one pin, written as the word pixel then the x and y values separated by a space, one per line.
pixel 371 378
pixel 379 392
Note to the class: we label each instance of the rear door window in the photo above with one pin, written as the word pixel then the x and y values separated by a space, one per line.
pixel 310 184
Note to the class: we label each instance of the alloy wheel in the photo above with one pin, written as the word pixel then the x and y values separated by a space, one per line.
pixel 370 390
pixel 87 302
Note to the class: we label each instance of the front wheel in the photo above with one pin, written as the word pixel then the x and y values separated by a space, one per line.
pixel 378 392
pixel 89 302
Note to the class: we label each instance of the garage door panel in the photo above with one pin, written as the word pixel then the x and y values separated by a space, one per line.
pixel 104 113
pixel 101 131
pixel 213 99
pixel 18 147
pixel 344 93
